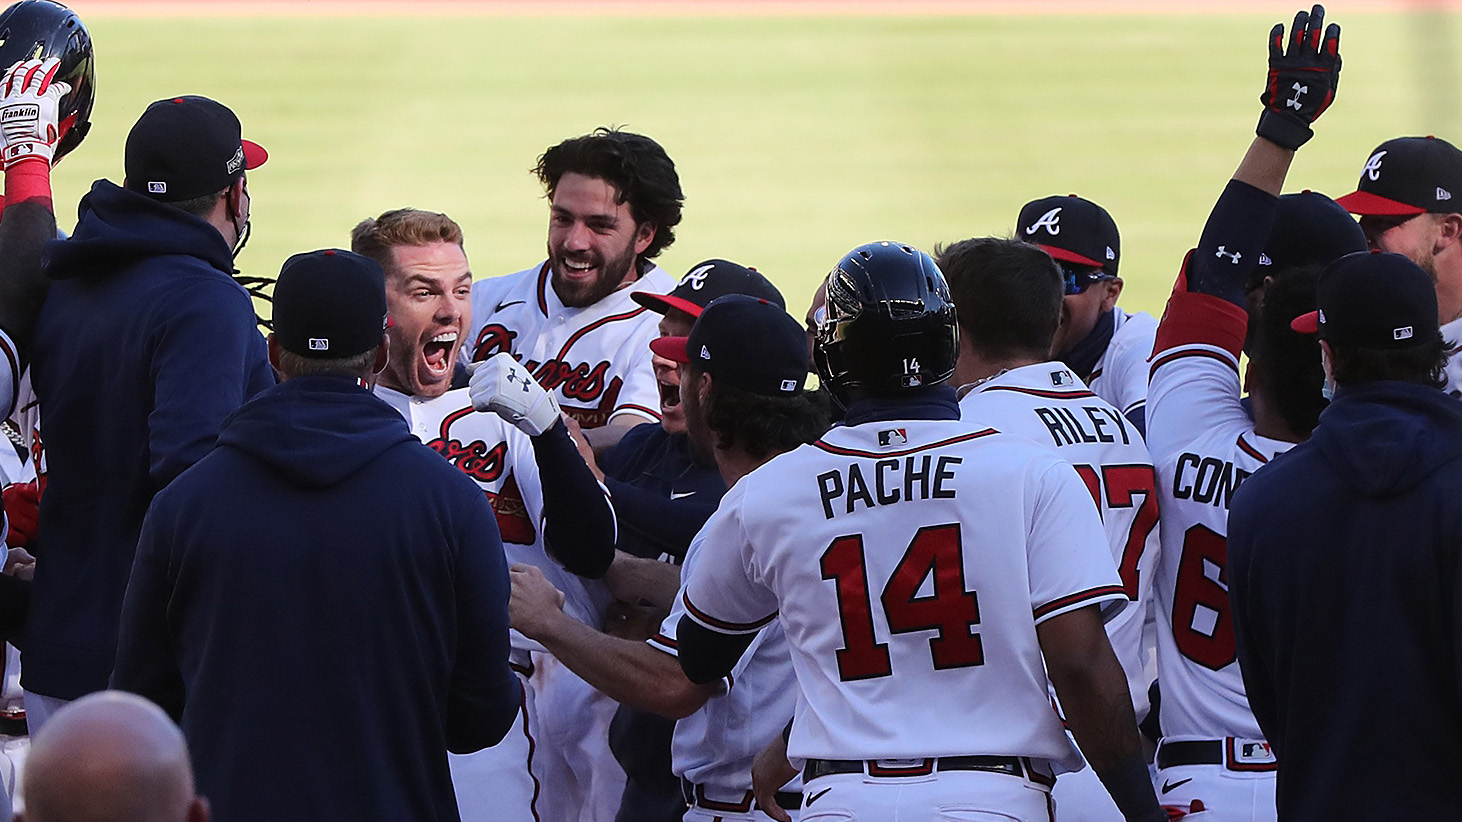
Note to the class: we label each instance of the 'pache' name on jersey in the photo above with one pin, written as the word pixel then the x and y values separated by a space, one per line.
pixel 1069 428
pixel 893 480
pixel 1207 480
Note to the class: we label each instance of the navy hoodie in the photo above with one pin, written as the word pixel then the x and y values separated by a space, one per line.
pixel 1346 585
pixel 322 602
pixel 144 345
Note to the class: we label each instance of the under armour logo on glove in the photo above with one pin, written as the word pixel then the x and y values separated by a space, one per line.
pixel 1299 91
pixel 1310 68
pixel 502 385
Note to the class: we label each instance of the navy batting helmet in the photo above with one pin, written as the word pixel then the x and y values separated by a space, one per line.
pixel 890 324
pixel 38 29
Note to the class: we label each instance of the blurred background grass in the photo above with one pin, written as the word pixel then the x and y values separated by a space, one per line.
pixel 796 136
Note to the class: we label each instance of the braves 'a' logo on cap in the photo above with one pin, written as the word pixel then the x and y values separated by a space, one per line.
pixel 1051 221
pixel 1373 166
pixel 697 278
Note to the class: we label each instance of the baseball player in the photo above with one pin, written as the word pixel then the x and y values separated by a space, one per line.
pixel 929 577
pixel 614 202
pixel 1009 298
pixel 1406 200
pixel 1203 441
pixel 1105 346
pixel 550 511
pixel 745 403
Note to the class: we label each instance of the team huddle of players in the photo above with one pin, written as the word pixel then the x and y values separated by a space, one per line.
pixel 734 597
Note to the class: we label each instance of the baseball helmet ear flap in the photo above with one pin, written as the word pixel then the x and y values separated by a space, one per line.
pixel 38 29
pixel 890 324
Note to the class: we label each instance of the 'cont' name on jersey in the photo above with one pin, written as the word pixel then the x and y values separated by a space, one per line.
pixel 894 480
pixel 1207 480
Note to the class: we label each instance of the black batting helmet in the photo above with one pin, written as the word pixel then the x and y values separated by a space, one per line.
pixel 890 324
pixel 38 29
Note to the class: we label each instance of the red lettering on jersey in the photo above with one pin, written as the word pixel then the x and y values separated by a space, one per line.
pixel 492 339
pixel 475 459
pixel 513 521
pixel 585 384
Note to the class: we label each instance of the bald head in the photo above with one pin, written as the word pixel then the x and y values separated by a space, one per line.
pixel 108 757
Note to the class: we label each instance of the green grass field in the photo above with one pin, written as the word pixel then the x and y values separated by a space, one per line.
pixel 796 137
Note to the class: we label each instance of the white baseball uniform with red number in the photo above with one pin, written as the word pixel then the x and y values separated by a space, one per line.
pixel 1120 376
pixel 595 360
pixel 1047 403
pixel 505 781
pixel 909 563
pixel 1203 446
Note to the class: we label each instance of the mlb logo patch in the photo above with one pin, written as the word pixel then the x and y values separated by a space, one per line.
pixel 157 188
pixel 1402 333
pixel 1060 378
pixel 789 385
pixel 317 344
pixel 1248 752
pixel 892 437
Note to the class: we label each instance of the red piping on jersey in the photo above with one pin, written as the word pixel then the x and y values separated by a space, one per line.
pixel 1251 450
pixel 1077 394
pixel 564 352
pixel 651 411
pixel 850 452
pixel 664 640
pixel 1091 378
pixel 1079 596
pixel 543 295
pixel 722 624
pixel 532 746
pixel 1191 352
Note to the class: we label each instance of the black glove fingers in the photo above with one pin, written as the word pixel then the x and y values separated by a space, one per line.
pixel 1332 42
pixel 1297 37
pixel 1276 42
pixel 1317 25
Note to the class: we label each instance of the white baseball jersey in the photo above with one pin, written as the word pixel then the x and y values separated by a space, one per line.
pixel 909 563
pixel 500 459
pixel 595 360
pixel 1452 335
pixel 1120 376
pixel 1203 446
pixel 715 745
pixel 1047 403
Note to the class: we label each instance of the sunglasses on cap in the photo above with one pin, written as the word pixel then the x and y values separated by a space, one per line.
pixel 1079 278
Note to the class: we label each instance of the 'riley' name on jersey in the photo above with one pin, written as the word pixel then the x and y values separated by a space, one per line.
pixel 1090 424
pixel 886 482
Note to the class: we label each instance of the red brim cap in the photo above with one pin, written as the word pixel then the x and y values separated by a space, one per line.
pixel 1068 256
pixel 1306 323
pixel 660 303
pixel 254 154
pixel 1366 204
pixel 671 348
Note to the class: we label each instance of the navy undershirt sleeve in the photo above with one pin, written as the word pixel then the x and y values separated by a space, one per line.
pixel 1233 238
pixel 578 519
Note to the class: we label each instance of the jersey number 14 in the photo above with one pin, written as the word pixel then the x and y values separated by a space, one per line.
pixel 950 610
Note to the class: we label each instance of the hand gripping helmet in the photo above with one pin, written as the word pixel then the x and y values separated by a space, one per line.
pixel 890 324
pixel 37 29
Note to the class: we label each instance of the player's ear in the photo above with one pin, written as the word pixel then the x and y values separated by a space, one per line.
pixel 274 352
pixel 199 810
pixel 644 235
pixel 383 355
pixel 1114 290
pixel 1449 232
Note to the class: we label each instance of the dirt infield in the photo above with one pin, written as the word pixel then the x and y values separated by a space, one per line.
pixel 385 8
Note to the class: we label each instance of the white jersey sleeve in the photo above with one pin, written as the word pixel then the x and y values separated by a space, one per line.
pixel 9 375
pixel 1120 376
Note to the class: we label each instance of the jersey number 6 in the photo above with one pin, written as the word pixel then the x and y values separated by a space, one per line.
pixel 950 609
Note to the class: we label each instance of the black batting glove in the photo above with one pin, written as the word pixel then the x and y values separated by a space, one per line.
pixel 1302 81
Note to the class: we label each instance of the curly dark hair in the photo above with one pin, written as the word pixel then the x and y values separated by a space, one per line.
pixel 1284 360
pixel 635 165
pixel 760 425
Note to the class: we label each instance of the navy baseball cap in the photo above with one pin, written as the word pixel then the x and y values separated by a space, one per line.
pixel 1373 300
pixel 1408 175
pixel 1073 230
pixel 747 342
pixel 329 304
pixel 185 147
pixel 1309 229
pixel 705 282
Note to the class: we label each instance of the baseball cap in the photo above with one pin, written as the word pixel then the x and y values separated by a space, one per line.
pixel 185 147
pixel 705 282
pixel 747 342
pixel 329 304
pixel 1309 229
pixel 1072 230
pixel 1373 300
pixel 1408 175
